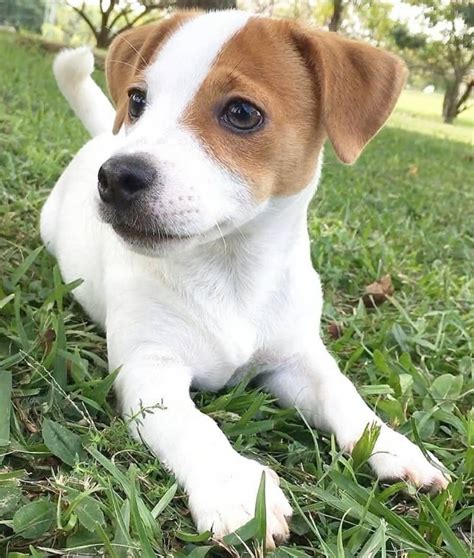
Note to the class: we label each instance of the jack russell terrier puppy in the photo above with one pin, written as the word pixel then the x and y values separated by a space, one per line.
pixel 185 216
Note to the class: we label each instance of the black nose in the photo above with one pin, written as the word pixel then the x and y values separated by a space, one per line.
pixel 123 178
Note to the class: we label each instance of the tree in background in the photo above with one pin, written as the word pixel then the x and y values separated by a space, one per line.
pixel 441 47
pixel 337 15
pixel 22 14
pixel 444 48
pixel 116 16
pixel 360 19
pixel 62 25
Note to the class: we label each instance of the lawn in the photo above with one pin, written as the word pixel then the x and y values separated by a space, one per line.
pixel 419 112
pixel 405 209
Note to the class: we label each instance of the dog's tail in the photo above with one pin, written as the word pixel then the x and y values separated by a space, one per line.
pixel 72 69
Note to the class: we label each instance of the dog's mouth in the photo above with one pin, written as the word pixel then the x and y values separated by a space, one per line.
pixel 135 235
pixel 137 231
pixel 149 236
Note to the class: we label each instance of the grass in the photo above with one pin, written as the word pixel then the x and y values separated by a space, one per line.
pixel 405 209
pixel 419 112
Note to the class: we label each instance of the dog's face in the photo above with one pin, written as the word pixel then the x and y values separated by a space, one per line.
pixel 223 112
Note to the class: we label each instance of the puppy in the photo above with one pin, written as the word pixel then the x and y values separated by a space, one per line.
pixel 185 216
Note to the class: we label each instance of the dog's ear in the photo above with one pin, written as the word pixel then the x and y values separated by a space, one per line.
pixel 357 87
pixel 130 53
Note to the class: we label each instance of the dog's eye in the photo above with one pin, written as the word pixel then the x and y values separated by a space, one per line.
pixel 136 103
pixel 242 116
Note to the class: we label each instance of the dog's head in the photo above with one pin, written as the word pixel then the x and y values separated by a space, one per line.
pixel 223 112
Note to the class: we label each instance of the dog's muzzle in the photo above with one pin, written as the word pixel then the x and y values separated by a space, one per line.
pixel 124 179
pixel 127 187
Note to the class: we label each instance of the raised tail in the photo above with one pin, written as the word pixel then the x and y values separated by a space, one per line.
pixel 72 69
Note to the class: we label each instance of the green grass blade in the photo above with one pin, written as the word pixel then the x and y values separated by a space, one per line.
pixel 24 266
pixel 377 542
pixel 164 501
pixel 135 516
pixel 455 547
pixel 401 525
pixel 261 511
pixel 5 406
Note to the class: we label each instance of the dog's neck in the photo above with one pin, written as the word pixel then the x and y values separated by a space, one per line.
pixel 245 264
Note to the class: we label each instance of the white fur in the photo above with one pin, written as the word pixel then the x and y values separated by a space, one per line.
pixel 185 59
pixel 197 197
pixel 218 307
pixel 72 69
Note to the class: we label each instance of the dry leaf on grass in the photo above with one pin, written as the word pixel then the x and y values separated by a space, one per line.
pixel 335 330
pixel 47 340
pixel 377 292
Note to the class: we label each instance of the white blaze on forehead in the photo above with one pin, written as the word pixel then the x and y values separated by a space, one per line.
pixel 196 194
pixel 185 59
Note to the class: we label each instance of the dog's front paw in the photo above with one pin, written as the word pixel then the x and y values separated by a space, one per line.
pixel 226 502
pixel 396 458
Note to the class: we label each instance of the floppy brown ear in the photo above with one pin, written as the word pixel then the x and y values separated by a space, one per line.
pixel 358 86
pixel 130 53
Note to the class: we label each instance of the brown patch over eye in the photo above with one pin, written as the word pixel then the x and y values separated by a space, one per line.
pixel 131 52
pixel 268 128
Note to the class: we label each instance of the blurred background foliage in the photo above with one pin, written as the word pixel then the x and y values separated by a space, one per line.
pixel 435 37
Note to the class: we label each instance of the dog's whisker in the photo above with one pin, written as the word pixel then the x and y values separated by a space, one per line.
pixel 222 237
pixel 134 49
pixel 115 61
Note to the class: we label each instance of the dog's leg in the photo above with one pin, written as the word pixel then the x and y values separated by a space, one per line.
pixel 153 389
pixel 314 384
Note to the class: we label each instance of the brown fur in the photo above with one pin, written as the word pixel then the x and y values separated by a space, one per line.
pixel 260 64
pixel 358 87
pixel 309 83
pixel 130 53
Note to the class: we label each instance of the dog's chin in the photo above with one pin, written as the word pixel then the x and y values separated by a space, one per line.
pixel 152 243
pixel 149 238
pixel 144 236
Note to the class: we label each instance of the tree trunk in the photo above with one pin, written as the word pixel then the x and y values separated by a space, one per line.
pixel 462 102
pixel 450 101
pixel 336 18
pixel 104 37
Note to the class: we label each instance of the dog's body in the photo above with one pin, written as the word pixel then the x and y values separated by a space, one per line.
pixel 205 273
